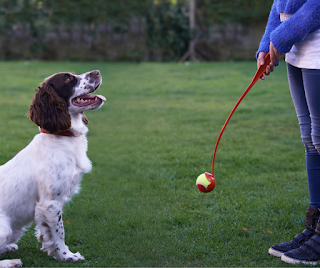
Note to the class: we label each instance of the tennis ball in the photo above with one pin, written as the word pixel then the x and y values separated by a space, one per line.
pixel 206 182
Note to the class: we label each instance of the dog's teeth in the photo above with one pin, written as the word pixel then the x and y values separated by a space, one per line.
pixel 95 98
pixel 79 100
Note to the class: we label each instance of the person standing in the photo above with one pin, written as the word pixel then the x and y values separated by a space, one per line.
pixel 293 29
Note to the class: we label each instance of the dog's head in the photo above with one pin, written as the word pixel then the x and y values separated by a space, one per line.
pixel 62 95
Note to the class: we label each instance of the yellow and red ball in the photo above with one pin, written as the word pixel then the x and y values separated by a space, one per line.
pixel 206 182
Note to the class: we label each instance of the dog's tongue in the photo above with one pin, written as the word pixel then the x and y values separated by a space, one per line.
pixel 101 97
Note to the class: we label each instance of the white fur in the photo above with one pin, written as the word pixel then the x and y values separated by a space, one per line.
pixel 37 182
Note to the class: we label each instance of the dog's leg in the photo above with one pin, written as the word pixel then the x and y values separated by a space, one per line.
pixel 11 238
pixel 15 235
pixel 6 236
pixel 5 232
pixel 48 217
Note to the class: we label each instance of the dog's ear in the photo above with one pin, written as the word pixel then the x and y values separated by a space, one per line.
pixel 48 110
pixel 84 118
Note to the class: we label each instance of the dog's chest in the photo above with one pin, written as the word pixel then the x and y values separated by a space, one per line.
pixel 63 161
pixel 73 157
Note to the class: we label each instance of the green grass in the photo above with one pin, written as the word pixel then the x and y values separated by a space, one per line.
pixel 155 134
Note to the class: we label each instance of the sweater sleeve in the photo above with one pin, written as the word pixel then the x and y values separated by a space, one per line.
pixel 272 24
pixel 296 28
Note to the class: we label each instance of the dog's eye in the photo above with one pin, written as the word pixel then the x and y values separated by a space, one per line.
pixel 68 79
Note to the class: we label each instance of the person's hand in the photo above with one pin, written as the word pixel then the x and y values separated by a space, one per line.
pixel 275 55
pixel 260 61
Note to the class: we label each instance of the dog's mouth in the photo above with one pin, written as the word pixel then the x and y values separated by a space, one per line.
pixel 88 100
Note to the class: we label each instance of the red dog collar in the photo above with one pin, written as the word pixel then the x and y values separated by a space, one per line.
pixel 63 133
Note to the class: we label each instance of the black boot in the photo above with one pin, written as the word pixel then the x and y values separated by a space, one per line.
pixel 308 253
pixel 312 217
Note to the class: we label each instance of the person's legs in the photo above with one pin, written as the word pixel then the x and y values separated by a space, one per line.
pixel 311 81
pixel 306 98
pixel 305 90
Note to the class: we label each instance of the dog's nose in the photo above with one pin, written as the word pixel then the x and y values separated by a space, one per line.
pixel 95 73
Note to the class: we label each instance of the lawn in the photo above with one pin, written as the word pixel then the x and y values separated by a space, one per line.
pixel 154 135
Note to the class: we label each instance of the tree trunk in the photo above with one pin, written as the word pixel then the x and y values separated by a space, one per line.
pixel 190 54
pixel 192 25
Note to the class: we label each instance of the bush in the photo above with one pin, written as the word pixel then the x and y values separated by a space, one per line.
pixel 105 29
pixel 167 30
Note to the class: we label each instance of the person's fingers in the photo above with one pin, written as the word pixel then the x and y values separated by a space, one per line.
pixel 260 60
pixel 271 67
pixel 267 72
pixel 273 56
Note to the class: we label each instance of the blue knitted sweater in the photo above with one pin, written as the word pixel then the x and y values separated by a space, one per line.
pixel 305 19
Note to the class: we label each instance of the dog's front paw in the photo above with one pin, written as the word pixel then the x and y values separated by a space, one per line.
pixel 11 248
pixel 8 248
pixel 68 256
pixel 10 263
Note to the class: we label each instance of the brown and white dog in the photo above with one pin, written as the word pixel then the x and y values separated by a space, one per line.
pixel 41 178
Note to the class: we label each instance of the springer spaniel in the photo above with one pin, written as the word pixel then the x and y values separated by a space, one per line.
pixel 37 182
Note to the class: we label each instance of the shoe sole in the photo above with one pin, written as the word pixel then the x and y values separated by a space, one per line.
pixel 275 253
pixel 287 259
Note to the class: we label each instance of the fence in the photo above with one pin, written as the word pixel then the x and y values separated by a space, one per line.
pixel 88 42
